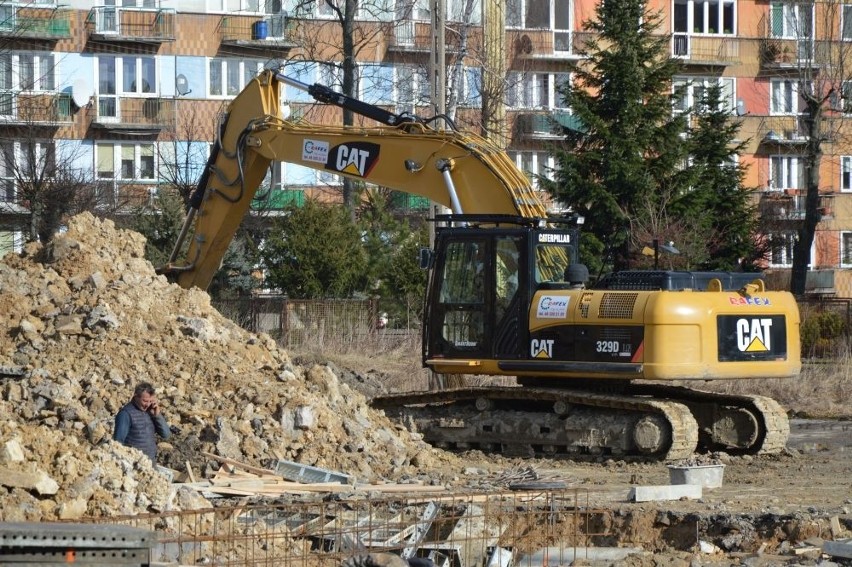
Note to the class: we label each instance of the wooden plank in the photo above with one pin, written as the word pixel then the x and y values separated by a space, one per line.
pixel 189 472
pixel 245 466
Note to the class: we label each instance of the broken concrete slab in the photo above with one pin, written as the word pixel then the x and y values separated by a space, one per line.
pixel 838 548
pixel 665 492
pixel 36 480
pixel 564 555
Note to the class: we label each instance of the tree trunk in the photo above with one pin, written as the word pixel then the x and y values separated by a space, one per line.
pixel 807 230
pixel 347 24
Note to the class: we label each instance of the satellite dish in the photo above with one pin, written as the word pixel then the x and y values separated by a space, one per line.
pixel 182 85
pixel 81 92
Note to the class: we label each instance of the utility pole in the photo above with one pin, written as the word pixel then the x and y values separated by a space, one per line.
pixel 438 67
pixel 438 80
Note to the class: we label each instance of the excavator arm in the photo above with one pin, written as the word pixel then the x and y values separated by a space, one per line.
pixel 403 153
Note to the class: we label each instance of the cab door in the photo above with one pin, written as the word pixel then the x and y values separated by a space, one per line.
pixel 459 321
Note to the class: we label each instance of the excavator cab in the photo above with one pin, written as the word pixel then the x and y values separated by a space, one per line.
pixel 486 269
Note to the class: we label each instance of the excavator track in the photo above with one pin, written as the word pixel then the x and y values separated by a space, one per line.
pixel 530 422
pixel 735 423
pixel 642 421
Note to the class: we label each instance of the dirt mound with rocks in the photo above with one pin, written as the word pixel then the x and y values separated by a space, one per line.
pixel 86 318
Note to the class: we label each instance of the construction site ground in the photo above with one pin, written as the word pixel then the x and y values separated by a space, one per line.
pixel 84 319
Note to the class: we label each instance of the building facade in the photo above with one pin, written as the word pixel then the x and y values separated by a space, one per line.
pixel 125 95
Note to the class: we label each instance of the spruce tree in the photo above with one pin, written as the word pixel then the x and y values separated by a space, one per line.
pixel 718 204
pixel 613 168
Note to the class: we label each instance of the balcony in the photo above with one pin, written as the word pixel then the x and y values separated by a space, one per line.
pixel 789 205
pixel 134 113
pixel 34 110
pixel 415 36
pixel 782 131
pixel 273 32
pixel 545 125
pixel 135 25
pixel 717 51
pixel 44 21
pixel 548 45
pixel 784 55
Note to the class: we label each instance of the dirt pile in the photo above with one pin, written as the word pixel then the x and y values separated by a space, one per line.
pixel 86 318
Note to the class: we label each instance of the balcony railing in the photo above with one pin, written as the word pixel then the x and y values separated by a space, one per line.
pixel 29 109
pixel 249 30
pixel 131 24
pixel 789 205
pixel 34 21
pixel 415 36
pixel 786 53
pixel 547 125
pixel 783 131
pixel 134 113
pixel 704 50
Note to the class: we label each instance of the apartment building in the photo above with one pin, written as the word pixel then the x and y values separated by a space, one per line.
pixel 126 94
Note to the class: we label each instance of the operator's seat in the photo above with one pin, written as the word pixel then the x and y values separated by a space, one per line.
pixel 577 275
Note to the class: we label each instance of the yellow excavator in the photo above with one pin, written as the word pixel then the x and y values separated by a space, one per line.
pixel 595 366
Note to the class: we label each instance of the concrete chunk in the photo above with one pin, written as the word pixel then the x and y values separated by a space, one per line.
pixel 12 452
pixel 665 492
pixel 838 548
pixel 36 480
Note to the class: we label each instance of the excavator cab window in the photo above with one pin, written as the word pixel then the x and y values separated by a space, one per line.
pixel 464 279
pixel 550 263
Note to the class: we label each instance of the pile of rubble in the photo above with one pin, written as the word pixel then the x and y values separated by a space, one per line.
pixel 86 318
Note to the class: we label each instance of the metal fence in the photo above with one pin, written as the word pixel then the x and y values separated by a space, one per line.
pixel 523 529
pixel 303 322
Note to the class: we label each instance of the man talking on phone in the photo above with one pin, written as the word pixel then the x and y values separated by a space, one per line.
pixel 139 422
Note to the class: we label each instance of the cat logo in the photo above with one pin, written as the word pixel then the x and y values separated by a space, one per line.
pixel 354 158
pixel 541 348
pixel 754 335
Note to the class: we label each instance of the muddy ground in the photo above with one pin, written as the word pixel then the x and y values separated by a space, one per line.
pixel 770 510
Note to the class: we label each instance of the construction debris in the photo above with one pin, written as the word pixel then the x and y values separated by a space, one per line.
pixel 86 318
pixel 240 479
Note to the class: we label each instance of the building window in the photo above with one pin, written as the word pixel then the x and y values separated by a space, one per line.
pixel 846 22
pixel 326 11
pixel 412 10
pixel 786 172
pixel 27 72
pixel 705 16
pixel 22 160
pixel 791 20
pixel 7 172
pixel 133 3
pixel 375 84
pixel 229 6
pixel 139 75
pixel 846 173
pixel 411 88
pixel 534 165
pixel 229 76
pixel 535 90
pixel 781 245
pixel 784 96
pixel 127 162
pixel 690 91
pixel 846 249
pixel 532 14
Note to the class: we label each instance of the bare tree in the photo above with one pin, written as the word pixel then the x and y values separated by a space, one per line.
pixel 807 40
pixel 41 184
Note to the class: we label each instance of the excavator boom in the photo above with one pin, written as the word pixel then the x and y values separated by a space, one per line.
pixel 408 156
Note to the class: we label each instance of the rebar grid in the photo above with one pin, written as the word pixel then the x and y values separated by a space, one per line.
pixel 529 528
